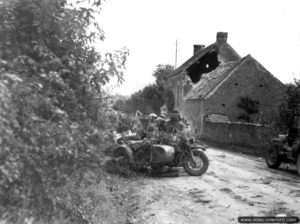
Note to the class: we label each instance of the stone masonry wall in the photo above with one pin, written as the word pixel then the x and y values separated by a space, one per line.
pixel 247 81
pixel 175 83
pixel 193 113
pixel 180 85
pixel 241 134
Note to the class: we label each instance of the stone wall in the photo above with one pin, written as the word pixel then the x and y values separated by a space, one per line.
pixel 193 113
pixel 240 134
pixel 249 80
pixel 180 85
pixel 176 84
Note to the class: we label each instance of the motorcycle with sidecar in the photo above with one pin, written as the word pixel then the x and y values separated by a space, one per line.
pixel 172 150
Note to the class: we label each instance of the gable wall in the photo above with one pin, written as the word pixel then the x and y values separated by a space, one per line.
pixel 249 78
pixel 193 112
pixel 180 85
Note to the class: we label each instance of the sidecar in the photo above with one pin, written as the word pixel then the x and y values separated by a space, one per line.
pixel 161 154
pixel 139 154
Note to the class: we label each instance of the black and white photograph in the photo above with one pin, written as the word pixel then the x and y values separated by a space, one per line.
pixel 149 112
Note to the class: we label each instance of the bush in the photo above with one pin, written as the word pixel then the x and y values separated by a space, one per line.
pixel 289 107
pixel 52 113
pixel 249 107
pixel 152 97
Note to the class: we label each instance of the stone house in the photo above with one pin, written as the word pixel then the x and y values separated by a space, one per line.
pixel 210 85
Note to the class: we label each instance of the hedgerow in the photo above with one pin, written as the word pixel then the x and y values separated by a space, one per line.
pixel 53 115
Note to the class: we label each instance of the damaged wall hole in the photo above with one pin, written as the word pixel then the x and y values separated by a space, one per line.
pixel 236 84
pixel 223 105
pixel 205 64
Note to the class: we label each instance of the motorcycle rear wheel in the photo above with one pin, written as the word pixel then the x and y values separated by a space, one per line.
pixel 198 168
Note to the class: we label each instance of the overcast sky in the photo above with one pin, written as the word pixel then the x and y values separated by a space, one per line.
pixel 269 30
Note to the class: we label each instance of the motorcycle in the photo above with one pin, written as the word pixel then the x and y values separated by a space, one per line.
pixel 172 150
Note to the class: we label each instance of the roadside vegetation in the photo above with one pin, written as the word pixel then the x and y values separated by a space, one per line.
pixel 55 119
pixel 152 97
pixel 292 105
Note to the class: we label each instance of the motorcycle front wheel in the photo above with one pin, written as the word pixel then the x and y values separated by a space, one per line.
pixel 198 167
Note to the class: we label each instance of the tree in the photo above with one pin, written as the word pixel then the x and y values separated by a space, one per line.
pixel 289 107
pixel 152 97
pixel 53 111
pixel 293 94
pixel 162 72
pixel 52 40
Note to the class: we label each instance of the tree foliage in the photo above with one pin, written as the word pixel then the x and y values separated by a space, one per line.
pixel 293 95
pixel 290 107
pixel 152 97
pixel 162 72
pixel 52 107
pixel 51 40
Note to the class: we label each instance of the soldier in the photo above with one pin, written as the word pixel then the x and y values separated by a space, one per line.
pixel 161 123
pixel 174 123
pixel 152 128
pixel 138 128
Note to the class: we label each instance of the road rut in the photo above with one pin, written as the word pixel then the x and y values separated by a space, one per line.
pixel 234 185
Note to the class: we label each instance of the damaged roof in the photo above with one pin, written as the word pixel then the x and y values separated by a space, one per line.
pixel 227 53
pixel 212 80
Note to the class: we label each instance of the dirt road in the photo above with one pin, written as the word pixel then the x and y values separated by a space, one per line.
pixel 234 185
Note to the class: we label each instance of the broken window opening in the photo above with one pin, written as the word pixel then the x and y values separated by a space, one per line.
pixel 205 64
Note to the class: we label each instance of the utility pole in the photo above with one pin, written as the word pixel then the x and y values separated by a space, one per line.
pixel 176 54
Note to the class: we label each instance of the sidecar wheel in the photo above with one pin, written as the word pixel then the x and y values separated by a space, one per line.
pixel 198 168
pixel 273 159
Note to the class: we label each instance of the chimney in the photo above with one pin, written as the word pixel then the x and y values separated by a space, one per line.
pixel 198 47
pixel 222 37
